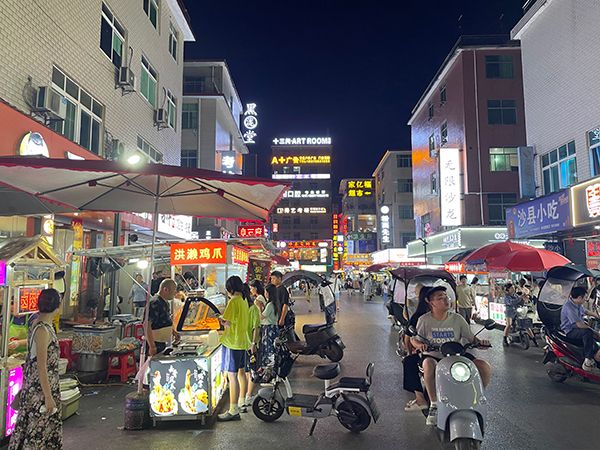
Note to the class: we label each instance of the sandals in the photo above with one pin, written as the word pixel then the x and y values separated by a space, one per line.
pixel 414 406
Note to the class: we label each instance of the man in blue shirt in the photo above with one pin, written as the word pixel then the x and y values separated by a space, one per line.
pixel 573 325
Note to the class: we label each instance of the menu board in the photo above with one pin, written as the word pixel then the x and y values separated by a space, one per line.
pixel 15 383
pixel 260 270
pixel 28 298
pixel 497 313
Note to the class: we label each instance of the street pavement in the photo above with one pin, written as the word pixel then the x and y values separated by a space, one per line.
pixel 527 410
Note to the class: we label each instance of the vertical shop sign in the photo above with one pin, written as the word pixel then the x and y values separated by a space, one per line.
pixel 384 220
pixel 77 226
pixel 335 254
pixel 250 122
pixel 260 270
pixel 450 187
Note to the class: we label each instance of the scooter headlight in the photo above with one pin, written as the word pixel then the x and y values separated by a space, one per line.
pixel 460 372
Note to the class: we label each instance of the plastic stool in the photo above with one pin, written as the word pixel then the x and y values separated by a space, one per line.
pixel 66 351
pixel 124 369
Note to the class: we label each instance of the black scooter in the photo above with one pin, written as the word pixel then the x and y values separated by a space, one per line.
pixel 320 339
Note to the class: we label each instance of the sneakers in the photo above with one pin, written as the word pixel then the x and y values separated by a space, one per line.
pixel 432 416
pixel 227 417
pixel 414 406
pixel 590 367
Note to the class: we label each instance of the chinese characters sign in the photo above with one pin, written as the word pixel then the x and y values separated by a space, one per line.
pixel 247 231
pixel 199 253
pixel 540 216
pixel 592 248
pixel 360 188
pixel 301 159
pixel 451 204
pixel 240 256
pixel 259 270
pixel 311 210
pixel 303 141
pixel 28 298
pixel 320 193
pixel 336 253
pixel 384 224
pixel 585 202
pixel 250 122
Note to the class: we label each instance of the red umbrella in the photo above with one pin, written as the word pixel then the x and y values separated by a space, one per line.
pixel 377 267
pixel 487 252
pixel 528 260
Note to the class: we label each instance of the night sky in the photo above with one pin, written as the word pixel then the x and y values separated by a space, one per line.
pixel 318 68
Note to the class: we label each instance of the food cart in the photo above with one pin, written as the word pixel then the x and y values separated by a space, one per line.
pixel 27 266
pixel 186 382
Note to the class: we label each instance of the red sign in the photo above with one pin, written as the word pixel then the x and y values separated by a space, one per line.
pixel 244 231
pixel 28 299
pixel 454 267
pixel 240 256
pixel 592 249
pixel 210 252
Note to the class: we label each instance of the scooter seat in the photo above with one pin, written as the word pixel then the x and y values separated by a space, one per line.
pixel 326 371
pixel 311 328
pixel 352 383
pixel 563 337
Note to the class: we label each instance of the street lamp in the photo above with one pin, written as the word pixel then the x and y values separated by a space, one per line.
pixel 134 159
pixel 424 241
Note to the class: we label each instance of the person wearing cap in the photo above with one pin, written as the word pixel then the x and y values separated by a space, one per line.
pixel 438 326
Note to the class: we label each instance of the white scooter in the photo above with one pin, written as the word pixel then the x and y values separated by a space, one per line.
pixel 462 405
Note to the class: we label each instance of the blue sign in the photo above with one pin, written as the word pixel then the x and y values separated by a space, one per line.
pixel 544 215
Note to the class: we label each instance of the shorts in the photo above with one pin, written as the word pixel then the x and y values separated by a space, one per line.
pixel 510 313
pixel 233 360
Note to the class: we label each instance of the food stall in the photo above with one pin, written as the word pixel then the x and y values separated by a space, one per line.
pixel 186 382
pixel 27 266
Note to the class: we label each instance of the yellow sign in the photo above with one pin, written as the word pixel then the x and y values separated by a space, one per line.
pixel 360 188
pixel 303 159
pixel 295 411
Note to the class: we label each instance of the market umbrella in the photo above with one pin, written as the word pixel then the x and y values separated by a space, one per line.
pixel 485 253
pixel 102 185
pixel 528 260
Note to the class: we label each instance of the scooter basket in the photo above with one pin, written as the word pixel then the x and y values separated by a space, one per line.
pixel 525 324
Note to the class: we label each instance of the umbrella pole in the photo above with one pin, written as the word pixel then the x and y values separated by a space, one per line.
pixel 146 309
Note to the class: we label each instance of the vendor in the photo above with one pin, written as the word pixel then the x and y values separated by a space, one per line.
pixel 18 330
pixel 159 327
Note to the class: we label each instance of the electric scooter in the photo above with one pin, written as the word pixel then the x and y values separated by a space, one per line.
pixel 320 339
pixel 350 399
pixel 521 331
pixel 462 405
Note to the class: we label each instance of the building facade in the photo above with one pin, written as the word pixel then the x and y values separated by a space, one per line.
pixel 359 220
pixel 394 199
pixel 466 132
pixel 302 220
pixel 563 119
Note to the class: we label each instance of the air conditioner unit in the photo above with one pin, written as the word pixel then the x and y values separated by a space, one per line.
pixel 48 101
pixel 160 117
pixel 126 78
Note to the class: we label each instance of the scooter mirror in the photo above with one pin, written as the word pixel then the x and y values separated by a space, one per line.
pixel 489 324
pixel 412 330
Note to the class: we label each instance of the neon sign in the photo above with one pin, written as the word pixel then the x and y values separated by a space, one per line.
pixel 451 204
pixel 251 231
pixel 302 159
pixel 384 220
pixel 303 141
pixel 301 176
pixel 250 122
pixel 311 210
pixel 307 194
pixel 199 253
pixel 360 188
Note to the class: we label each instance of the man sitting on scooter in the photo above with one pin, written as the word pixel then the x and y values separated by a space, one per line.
pixel 438 326
pixel 573 325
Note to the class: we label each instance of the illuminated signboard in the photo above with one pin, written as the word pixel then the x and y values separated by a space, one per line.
pixel 592 249
pixel 228 162
pixel 360 188
pixel 213 252
pixel 251 231
pixel 302 244
pixel 28 298
pixel 175 225
pixel 33 144
pixel 303 141
pixel 310 210
pixel 240 256
pixel 450 187
pixel 358 258
pixel 335 253
pixel 302 159
pixel 301 176
pixel 384 223
pixel 320 193
pixel 250 122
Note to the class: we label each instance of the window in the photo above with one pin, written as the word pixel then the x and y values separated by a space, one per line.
pixel 432 145
pixel 559 168
pixel 189 158
pixel 189 116
pixel 172 109
pixel 173 40
pixel 286 236
pixel 148 82
pixel 151 10
pixel 84 115
pixel 444 133
pixel 145 147
pixel 296 220
pixel 405 238
pixel 433 183
pixel 405 212
pixel 443 94
pixel 504 159
pixel 502 112
pixel 403 160
pixel 497 204
pixel 314 235
pixel 405 185
pixel 314 220
pixel 499 66
pixel 287 220
pixel 430 111
pixel 112 36
pixel 594 146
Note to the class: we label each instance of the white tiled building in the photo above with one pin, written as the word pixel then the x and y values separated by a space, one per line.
pixel 560 45
pixel 77 48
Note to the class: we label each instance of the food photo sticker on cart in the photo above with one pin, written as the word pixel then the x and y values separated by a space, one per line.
pixel 193 398
pixel 162 397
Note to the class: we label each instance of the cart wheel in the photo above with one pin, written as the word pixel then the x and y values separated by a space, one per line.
pixel 353 416
pixel 525 340
pixel 267 410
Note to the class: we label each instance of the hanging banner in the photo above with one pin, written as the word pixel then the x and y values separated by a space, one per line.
pixel 260 270
pixel 77 226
